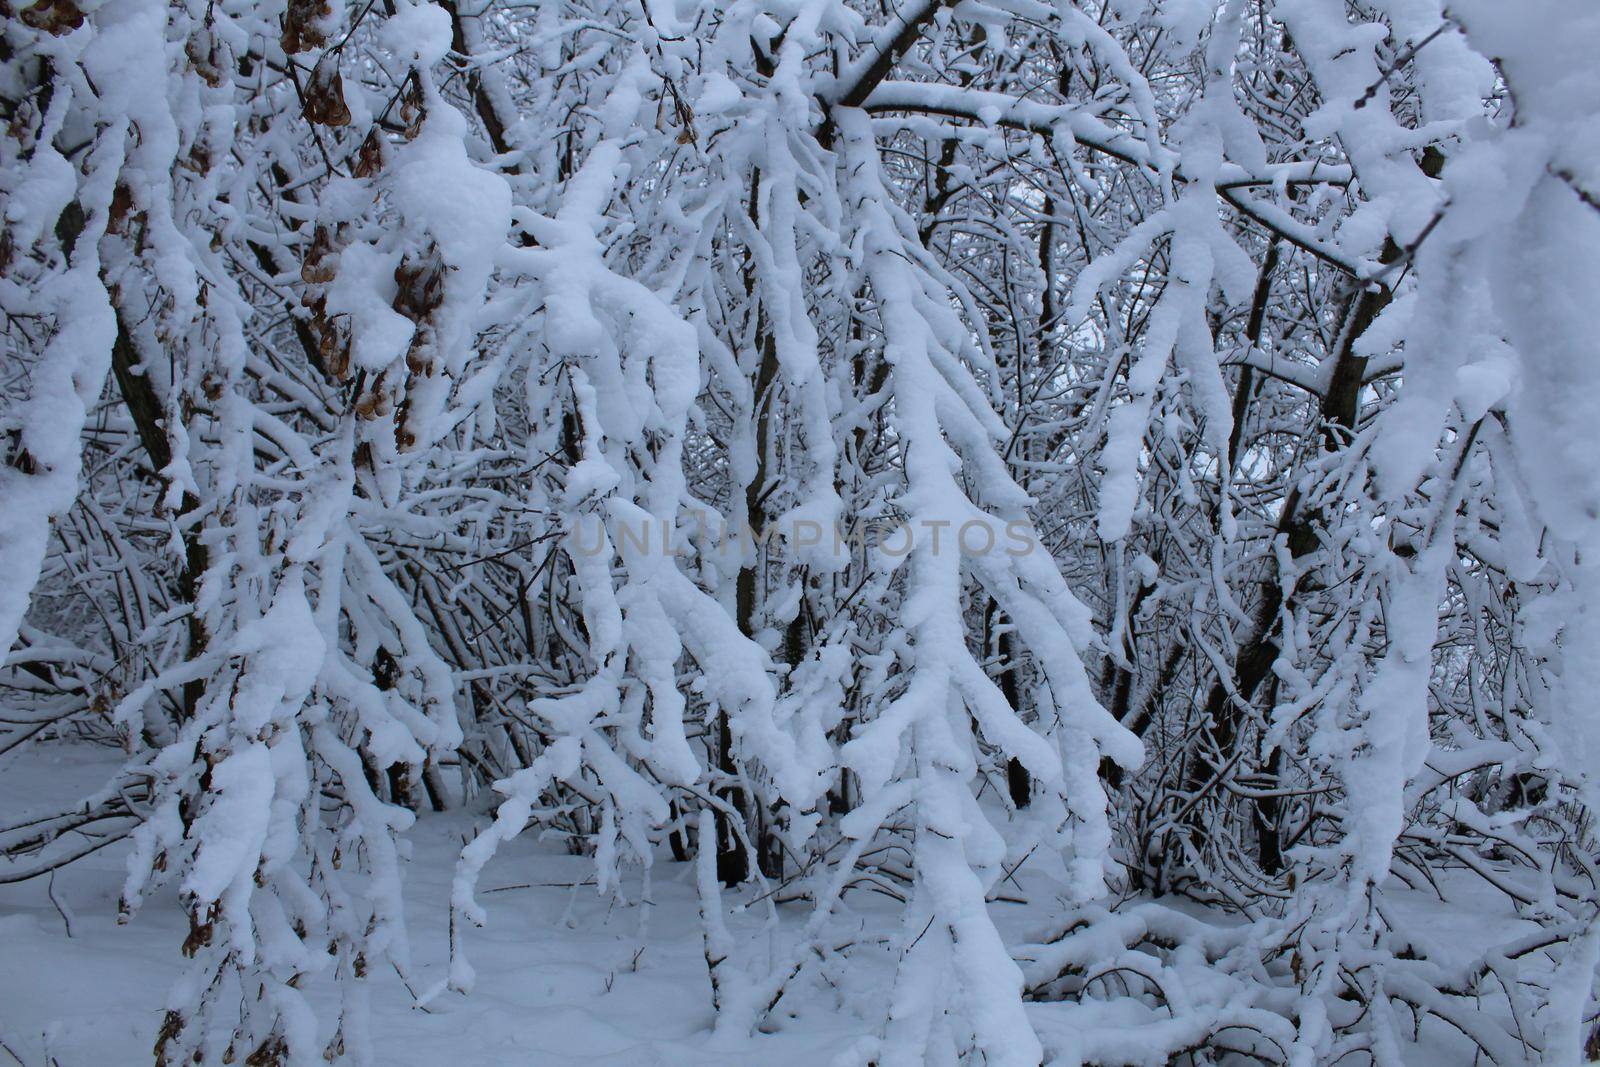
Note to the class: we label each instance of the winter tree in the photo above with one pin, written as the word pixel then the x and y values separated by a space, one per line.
pixel 1068 530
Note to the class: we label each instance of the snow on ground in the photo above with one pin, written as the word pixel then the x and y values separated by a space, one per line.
pixel 564 976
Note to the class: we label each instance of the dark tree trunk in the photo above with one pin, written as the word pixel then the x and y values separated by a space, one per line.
pixel 1224 719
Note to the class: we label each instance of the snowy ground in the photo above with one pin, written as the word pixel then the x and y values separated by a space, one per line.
pixel 564 976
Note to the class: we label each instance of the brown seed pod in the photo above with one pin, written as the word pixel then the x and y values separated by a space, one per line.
pixel 207 55
pixel 420 279
pixel 171 1027
pixel 273 1052
pixel 419 357
pixel 374 403
pixel 303 26
pixel 121 205
pixel 412 109
pixel 333 345
pixel 370 156
pixel 199 935
pixel 55 17
pixel 322 262
pixel 324 94
pixel 404 439
pixel 198 159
